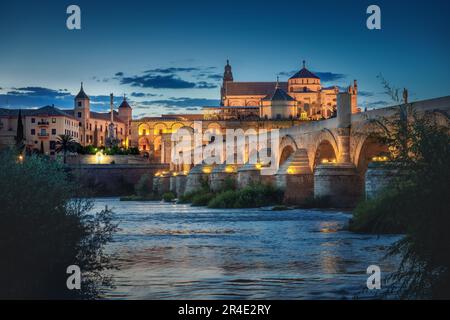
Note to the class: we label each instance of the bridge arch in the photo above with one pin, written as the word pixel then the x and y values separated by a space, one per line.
pixel 368 148
pixel 325 148
pixel 287 147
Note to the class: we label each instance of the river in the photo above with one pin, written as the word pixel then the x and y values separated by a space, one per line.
pixel 174 251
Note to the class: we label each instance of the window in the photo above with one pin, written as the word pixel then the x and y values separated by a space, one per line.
pixel 79 114
pixel 53 131
pixel 52 145
pixel 33 120
pixel 53 120
pixel 33 132
pixel 79 103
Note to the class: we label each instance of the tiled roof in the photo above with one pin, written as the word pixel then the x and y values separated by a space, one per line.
pixel 106 116
pixel 278 95
pixel 252 88
pixel 124 104
pixel 304 73
pixel 44 111
pixel 81 94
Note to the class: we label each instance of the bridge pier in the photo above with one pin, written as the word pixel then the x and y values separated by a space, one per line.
pixel 220 175
pixel 163 184
pixel 378 176
pixel 296 179
pixel 251 174
pixel 340 184
pixel 173 183
pixel 197 177
pixel 180 181
pixel 155 185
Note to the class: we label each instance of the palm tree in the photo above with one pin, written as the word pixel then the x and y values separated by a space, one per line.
pixel 64 144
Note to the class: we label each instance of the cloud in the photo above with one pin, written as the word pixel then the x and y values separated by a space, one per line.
pixel 172 70
pixel 378 103
pixel 183 102
pixel 365 93
pixel 330 76
pixel 170 78
pixel 38 92
pixel 143 94
pixel 157 82
pixel 206 85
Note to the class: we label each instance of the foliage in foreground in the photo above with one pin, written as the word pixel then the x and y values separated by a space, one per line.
pixel 416 203
pixel 168 197
pixel 252 196
pixel 45 227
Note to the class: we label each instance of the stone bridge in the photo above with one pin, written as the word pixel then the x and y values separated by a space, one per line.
pixel 320 159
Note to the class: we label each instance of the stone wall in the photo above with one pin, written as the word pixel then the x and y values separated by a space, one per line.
pixel 106 159
pixel 113 180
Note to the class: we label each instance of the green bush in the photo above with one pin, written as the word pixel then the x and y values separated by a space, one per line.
pixel 229 184
pixel 226 199
pixel 252 196
pixel 168 197
pixel 188 197
pixel 46 226
pixel 202 199
pixel 381 214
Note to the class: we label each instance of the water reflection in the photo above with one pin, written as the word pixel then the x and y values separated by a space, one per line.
pixel 167 251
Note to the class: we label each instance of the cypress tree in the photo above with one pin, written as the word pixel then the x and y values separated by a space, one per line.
pixel 20 133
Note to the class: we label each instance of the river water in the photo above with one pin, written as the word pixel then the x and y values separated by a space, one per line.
pixel 174 251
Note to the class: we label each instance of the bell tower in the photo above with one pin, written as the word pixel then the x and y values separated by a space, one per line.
pixel 82 111
pixel 227 77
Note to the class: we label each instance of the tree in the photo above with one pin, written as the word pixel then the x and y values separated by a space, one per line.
pixel 19 135
pixel 64 144
pixel 415 203
pixel 46 226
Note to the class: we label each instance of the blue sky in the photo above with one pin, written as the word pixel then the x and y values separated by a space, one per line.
pixel 168 56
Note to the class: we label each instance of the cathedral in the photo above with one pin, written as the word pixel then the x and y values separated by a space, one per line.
pixel 302 97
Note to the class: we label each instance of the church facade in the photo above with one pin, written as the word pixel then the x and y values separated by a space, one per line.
pixel 301 97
